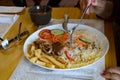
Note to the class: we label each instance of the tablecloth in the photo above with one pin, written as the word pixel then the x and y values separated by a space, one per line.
pixel 25 70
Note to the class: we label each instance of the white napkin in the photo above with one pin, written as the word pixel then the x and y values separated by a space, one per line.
pixel 11 9
pixel 6 18
pixel 28 71
pixel 6 21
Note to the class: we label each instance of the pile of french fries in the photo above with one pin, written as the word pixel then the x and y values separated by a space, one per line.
pixel 38 57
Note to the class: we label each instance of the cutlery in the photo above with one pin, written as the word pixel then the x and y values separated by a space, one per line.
pixel 20 35
pixel 19 30
pixel 1 39
pixel 6 42
pixel 66 28
pixel 84 12
pixel 65 23
pixel 71 33
pixel 73 29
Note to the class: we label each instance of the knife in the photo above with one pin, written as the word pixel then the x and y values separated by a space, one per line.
pixel 20 35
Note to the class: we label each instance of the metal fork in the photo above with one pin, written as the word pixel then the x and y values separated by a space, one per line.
pixel 73 29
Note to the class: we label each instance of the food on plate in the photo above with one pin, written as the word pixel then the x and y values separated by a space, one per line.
pixel 54 35
pixel 52 49
pixel 57 32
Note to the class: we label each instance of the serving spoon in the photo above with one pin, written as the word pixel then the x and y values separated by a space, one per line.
pixel 64 24
pixel 65 27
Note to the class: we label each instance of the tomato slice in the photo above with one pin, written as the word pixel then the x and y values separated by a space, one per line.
pixel 68 56
pixel 45 34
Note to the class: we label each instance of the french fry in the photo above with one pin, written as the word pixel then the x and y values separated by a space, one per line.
pixel 33 59
pixel 29 48
pixel 54 61
pixel 27 55
pixel 32 48
pixel 37 52
pixel 60 59
pixel 50 65
pixel 42 58
pixel 40 63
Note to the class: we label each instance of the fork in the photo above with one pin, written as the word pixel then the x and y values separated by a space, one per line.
pixel 73 29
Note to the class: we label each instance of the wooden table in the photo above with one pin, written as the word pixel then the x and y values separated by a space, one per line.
pixel 10 58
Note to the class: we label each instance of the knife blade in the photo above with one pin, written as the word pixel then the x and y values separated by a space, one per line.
pixel 20 35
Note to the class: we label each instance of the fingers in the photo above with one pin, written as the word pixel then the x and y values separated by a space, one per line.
pixel 111 76
pixel 114 70
pixel 95 3
pixel 98 6
pixel 112 73
pixel 98 3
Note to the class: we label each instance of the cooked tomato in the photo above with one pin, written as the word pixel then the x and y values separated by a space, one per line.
pixel 45 34
pixel 68 56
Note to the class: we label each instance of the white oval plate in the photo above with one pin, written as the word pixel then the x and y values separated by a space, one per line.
pixel 99 35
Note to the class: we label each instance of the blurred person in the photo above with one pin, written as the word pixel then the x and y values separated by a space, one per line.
pixel 36 2
pixel 101 8
pixel 29 3
pixel 20 3
pixel 68 3
pixel 107 10
pixel 52 3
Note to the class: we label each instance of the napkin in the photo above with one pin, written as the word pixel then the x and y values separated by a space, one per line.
pixel 25 70
pixel 11 9
pixel 6 21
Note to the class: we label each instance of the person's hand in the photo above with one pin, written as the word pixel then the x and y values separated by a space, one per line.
pixel 112 73
pixel 102 8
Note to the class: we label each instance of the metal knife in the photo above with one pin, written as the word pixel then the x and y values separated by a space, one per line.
pixel 20 35
pixel 6 42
